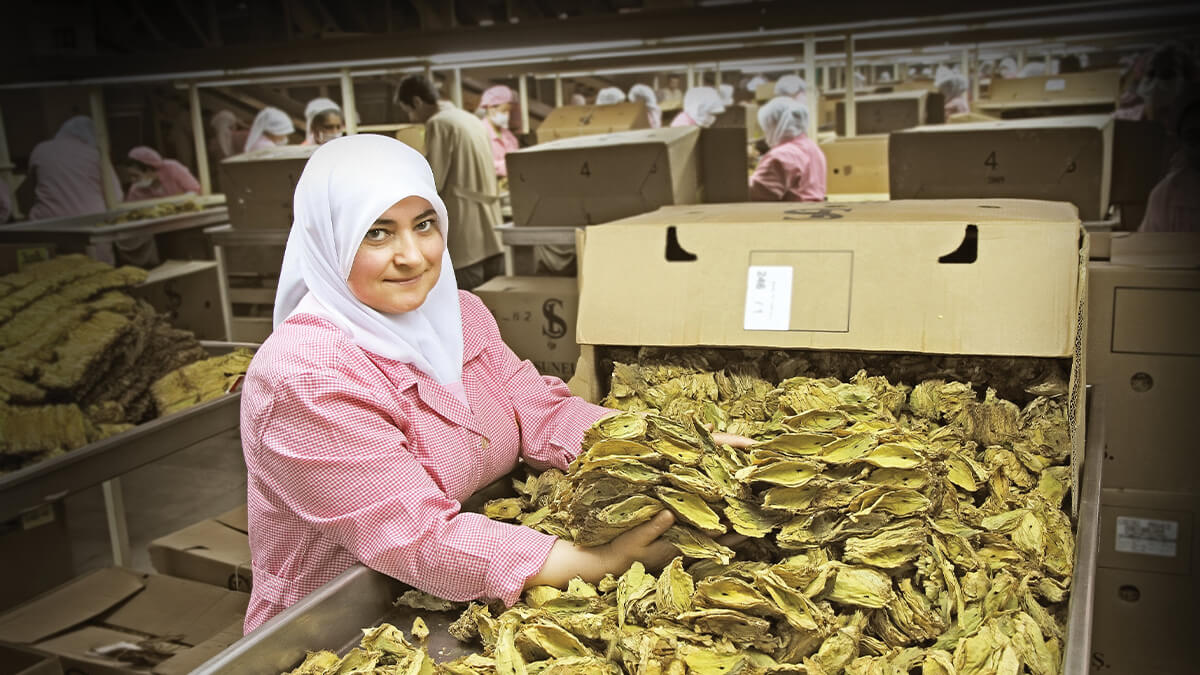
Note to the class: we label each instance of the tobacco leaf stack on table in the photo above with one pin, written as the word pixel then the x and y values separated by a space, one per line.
pixel 890 526
pixel 78 357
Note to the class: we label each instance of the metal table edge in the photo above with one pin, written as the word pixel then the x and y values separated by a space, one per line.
pixel 1078 648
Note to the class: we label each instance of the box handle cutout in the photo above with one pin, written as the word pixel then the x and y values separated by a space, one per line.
pixel 967 252
pixel 675 252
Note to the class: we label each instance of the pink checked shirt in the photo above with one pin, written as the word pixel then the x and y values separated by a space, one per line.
pixel 790 172
pixel 353 457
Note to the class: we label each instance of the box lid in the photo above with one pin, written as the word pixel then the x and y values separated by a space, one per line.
pixel 70 604
pixel 209 539
pixel 600 117
pixel 1098 122
pixel 279 152
pixel 911 95
pixel 189 609
pixel 77 645
pixel 235 518
pixel 613 139
pixel 1164 250
pixel 528 285
pixel 945 276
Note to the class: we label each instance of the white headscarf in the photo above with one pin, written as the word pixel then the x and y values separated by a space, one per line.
pixel 755 81
pixel 316 107
pixel 791 86
pixel 951 83
pixel 725 91
pixel 609 96
pixel 223 123
pixel 78 128
pixel 643 93
pixel 347 184
pixel 782 119
pixel 703 104
pixel 269 120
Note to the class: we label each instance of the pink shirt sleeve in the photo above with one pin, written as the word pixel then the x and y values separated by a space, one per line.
pixel 551 419
pixel 340 461
pixel 769 181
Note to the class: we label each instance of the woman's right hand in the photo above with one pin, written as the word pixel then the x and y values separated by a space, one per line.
pixel 643 543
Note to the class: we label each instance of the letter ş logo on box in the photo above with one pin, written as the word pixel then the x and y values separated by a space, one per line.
pixel 555 326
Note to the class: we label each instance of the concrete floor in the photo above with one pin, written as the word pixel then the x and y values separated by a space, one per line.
pixel 200 482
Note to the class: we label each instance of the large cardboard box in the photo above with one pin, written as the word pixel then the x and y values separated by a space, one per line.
pixel 1059 159
pixel 1144 623
pixel 537 317
pixel 1097 86
pixel 1143 351
pixel 37 553
pixel 741 116
pixel 764 92
pixel 214 551
pixel 80 620
pixel 856 165
pixel 977 277
pixel 189 293
pixel 881 113
pixel 595 179
pixel 259 185
pixel 1141 155
pixel 569 121
pixel 723 165
pixel 412 135
pixel 17 660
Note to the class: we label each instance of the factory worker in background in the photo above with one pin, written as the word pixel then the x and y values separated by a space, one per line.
pixel 1008 68
pixel 755 82
pixel 792 86
pixel 271 128
pixel 673 91
pixel 725 91
pixel 953 86
pixel 229 135
pixel 579 95
pixel 155 177
pixel 65 174
pixel 1174 204
pixel 500 108
pixel 324 121
pixel 701 105
pixel 793 170
pixel 609 96
pixel 460 153
pixel 643 93
pixel 1033 69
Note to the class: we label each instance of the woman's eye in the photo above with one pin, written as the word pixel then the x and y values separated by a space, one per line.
pixel 376 234
pixel 424 226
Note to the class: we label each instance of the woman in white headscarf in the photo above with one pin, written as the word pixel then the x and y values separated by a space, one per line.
pixel 643 93
pixel 385 398
pixel 793 170
pixel 609 96
pixel 65 173
pixel 725 91
pixel 324 121
pixel 953 86
pixel 792 86
pixel 701 105
pixel 271 127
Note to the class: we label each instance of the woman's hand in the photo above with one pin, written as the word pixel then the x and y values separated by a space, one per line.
pixel 642 543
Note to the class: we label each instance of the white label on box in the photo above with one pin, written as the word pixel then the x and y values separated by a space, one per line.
pixel 1147 536
pixel 768 297
pixel 1056 85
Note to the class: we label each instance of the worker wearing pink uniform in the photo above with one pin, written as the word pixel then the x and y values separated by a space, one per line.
pixel 385 398
pixel 271 128
pixel 65 173
pixel 953 87
pixel 499 105
pixel 158 177
pixel 793 170
pixel 701 105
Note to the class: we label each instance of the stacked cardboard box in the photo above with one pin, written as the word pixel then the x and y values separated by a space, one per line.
pixel 536 316
pixel 90 621
pixel 1144 315
pixel 857 166
pixel 1061 159
pixel 214 551
pixel 259 185
pixel 570 121
pixel 882 113
pixel 1095 90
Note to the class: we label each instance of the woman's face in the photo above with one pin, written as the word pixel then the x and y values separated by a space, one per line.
pixel 327 126
pixel 400 258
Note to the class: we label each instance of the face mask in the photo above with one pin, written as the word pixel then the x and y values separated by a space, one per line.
pixel 498 118
pixel 322 138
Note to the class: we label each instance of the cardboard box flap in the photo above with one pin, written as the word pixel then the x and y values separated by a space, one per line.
pixel 211 539
pixel 1098 122
pixel 235 518
pixel 1164 250
pixel 1097 85
pixel 79 645
pixel 70 604
pixel 616 138
pixel 539 285
pixel 188 661
pixel 180 607
pixel 913 95
pixel 891 276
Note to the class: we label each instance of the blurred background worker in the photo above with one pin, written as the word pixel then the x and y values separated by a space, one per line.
pixel 953 87
pixel 673 91
pixel 324 121
pixel 1007 68
pixel 725 91
pixel 65 174
pixel 498 104
pixel 792 86
pixel 701 105
pixel 271 127
pixel 579 95
pixel 643 93
pixel 460 153
pixel 1174 204
pixel 754 82
pixel 229 135
pixel 793 170
pixel 609 96
pixel 154 176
